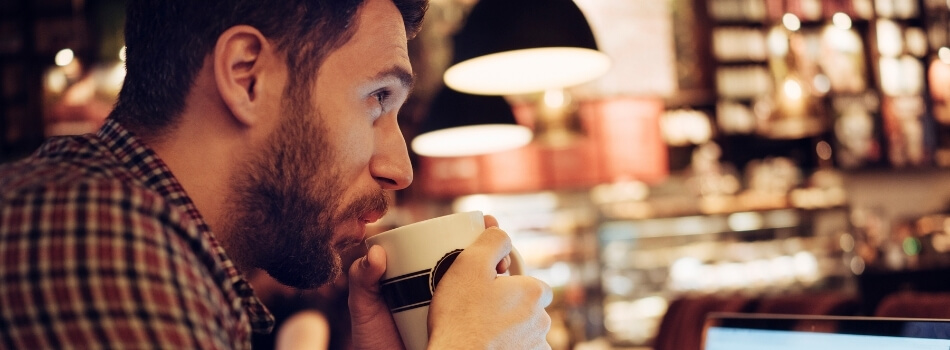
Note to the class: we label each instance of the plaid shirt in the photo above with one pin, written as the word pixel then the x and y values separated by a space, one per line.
pixel 100 247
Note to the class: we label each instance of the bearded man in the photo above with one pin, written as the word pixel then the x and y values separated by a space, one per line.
pixel 248 134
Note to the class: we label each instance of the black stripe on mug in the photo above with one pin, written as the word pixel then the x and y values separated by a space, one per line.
pixel 414 290
pixel 407 291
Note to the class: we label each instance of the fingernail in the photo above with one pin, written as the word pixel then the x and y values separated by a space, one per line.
pixel 364 262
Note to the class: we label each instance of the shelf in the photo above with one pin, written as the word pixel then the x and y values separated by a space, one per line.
pixel 685 206
pixel 738 23
pixel 741 62
pixel 742 99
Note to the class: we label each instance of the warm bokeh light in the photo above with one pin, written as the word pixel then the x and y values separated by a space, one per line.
pixel 793 89
pixel 823 149
pixel 821 83
pixel 944 54
pixel 555 98
pixel 64 57
pixel 890 38
pixel 777 42
pixel 745 221
pixel 791 22
pixel 841 20
pixel 56 81
pixel 683 127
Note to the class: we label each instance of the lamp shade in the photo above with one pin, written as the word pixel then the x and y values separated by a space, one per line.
pixel 524 46
pixel 462 124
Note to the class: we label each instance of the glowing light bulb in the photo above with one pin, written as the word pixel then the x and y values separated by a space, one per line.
pixel 554 98
pixel 792 89
pixel 791 22
pixel 944 54
pixel 64 57
pixel 841 20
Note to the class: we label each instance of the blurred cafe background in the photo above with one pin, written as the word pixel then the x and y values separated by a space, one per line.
pixel 653 160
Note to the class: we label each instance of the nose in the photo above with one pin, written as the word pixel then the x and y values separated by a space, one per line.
pixel 390 165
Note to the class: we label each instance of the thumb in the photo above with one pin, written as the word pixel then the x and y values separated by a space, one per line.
pixel 373 325
pixel 366 272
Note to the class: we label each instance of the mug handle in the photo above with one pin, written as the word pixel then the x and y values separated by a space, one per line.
pixel 517 263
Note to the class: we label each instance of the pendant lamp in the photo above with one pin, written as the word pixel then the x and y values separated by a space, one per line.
pixel 460 124
pixel 509 47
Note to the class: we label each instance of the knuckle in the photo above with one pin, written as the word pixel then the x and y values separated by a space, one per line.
pixel 546 322
pixel 489 240
pixel 497 236
pixel 548 296
pixel 538 290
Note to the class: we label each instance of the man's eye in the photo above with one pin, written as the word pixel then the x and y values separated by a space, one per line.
pixel 382 96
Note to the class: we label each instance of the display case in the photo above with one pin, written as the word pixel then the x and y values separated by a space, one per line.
pixel 649 262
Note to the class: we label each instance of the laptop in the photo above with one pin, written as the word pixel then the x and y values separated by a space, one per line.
pixel 734 331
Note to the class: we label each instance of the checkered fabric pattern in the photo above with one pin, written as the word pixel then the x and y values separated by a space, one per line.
pixel 100 248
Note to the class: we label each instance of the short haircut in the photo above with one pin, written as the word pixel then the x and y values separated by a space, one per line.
pixel 168 40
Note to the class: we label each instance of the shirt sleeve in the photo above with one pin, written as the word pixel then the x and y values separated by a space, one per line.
pixel 105 265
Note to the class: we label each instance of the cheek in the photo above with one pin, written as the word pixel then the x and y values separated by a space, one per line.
pixel 350 135
pixel 355 150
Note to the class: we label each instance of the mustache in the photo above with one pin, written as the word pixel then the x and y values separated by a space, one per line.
pixel 375 202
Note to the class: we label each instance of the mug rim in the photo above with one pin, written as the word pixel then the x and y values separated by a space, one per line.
pixel 394 230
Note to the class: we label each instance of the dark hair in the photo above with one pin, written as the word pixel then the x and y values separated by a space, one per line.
pixel 168 40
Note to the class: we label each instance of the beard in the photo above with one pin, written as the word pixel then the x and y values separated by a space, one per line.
pixel 286 207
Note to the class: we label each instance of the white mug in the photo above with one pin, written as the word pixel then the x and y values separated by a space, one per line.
pixel 417 256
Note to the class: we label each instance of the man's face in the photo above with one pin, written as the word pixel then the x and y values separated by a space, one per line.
pixel 322 174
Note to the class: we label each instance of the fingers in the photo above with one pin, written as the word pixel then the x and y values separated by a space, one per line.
pixel 372 324
pixel 531 288
pixel 490 221
pixel 541 324
pixel 503 265
pixel 366 271
pixel 496 311
pixel 544 293
pixel 473 307
pixel 482 257
pixel 539 321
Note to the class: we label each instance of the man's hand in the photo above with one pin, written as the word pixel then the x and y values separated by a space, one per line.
pixel 373 325
pixel 475 308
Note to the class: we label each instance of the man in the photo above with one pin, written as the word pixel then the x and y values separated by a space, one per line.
pixel 246 135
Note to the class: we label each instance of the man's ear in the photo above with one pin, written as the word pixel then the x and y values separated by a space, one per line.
pixel 242 56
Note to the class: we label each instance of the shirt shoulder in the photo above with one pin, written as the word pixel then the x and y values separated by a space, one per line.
pixel 92 257
pixel 63 160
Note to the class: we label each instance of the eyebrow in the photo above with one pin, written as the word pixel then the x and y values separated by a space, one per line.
pixel 405 78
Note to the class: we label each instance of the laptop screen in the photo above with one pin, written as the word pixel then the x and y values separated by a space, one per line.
pixel 728 331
